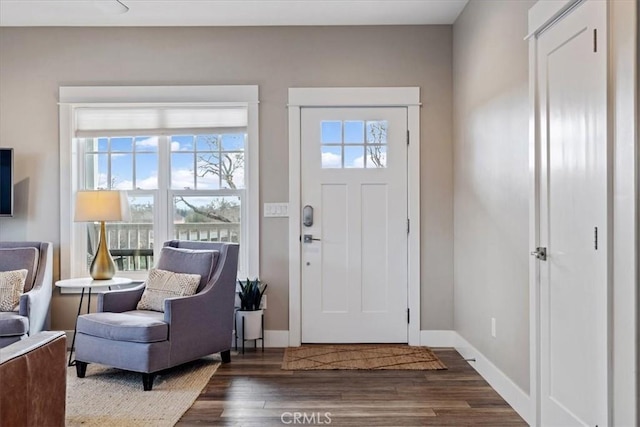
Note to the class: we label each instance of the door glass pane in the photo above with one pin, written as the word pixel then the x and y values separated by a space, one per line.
pixel 377 132
pixel 207 218
pixel 354 156
pixel 376 156
pixel 354 132
pixel 331 132
pixel 331 156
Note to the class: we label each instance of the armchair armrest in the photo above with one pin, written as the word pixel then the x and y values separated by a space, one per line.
pixel 35 305
pixel 200 324
pixel 120 300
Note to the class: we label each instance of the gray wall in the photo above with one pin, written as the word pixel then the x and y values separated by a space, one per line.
pixel 34 62
pixel 491 187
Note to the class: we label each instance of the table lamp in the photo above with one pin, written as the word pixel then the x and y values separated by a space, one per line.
pixel 101 205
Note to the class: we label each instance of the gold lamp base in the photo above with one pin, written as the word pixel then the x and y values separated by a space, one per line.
pixel 102 266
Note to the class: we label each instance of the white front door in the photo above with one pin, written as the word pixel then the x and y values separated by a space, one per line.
pixel 354 179
pixel 571 67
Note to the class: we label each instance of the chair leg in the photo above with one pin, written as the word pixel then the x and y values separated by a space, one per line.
pixel 147 381
pixel 226 356
pixel 81 368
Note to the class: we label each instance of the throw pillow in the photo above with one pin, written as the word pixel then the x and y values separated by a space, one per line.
pixel 190 261
pixel 11 287
pixel 12 259
pixel 162 284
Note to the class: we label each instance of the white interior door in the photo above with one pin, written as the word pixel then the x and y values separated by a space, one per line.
pixel 571 66
pixel 354 177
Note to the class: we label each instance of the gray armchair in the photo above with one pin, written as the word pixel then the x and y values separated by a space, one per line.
pixel 191 327
pixel 32 314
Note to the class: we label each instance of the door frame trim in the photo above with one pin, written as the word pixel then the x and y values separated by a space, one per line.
pixel 299 98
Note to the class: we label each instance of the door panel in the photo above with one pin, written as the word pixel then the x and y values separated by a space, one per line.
pixel 354 175
pixel 573 183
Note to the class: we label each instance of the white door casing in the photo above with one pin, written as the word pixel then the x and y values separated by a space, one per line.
pixel 301 98
pixel 570 290
pixel 354 276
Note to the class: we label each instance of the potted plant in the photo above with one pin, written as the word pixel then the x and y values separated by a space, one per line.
pixel 249 315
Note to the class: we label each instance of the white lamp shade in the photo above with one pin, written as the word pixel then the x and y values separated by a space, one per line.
pixel 101 205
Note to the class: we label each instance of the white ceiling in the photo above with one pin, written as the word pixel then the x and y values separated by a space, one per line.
pixel 228 12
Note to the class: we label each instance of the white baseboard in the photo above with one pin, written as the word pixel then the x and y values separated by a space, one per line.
pixel 438 338
pixel 276 338
pixel 510 391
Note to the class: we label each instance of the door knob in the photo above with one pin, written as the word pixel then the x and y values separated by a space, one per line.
pixel 540 253
pixel 308 238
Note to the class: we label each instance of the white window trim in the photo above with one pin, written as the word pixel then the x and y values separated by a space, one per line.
pixel 72 97
pixel 354 97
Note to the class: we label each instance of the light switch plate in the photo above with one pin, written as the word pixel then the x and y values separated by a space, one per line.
pixel 276 210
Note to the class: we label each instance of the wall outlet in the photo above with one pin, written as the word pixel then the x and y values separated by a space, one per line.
pixel 493 327
pixel 263 302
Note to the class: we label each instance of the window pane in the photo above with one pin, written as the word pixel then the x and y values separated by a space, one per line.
pixel 233 142
pixel 130 243
pixel 122 171
pixel 211 218
pixel 182 143
pixel 331 157
pixel 208 169
pixel 146 143
pixel 354 132
pixel 96 171
pixel 122 144
pixel 182 173
pixel 331 132
pixel 208 142
pixel 354 157
pixel 377 132
pixel 146 171
pixel 232 170
pixel 376 156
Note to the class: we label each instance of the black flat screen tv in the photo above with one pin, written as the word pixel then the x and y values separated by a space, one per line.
pixel 6 181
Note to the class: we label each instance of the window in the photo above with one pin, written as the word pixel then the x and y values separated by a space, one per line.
pixel 354 144
pixel 190 172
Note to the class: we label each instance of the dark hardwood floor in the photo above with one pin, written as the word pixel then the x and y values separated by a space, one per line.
pixel 252 390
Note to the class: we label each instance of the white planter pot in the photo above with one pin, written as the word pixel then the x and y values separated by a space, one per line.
pixel 252 324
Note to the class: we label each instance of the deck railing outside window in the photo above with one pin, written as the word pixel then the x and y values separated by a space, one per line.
pixel 131 244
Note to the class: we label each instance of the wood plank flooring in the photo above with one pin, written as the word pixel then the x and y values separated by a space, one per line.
pixel 252 390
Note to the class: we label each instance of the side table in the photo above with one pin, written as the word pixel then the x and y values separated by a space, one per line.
pixel 85 283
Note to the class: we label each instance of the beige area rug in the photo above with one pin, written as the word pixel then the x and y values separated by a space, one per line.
pixel 360 356
pixel 111 397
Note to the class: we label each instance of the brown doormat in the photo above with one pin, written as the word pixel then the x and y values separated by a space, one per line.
pixel 360 356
